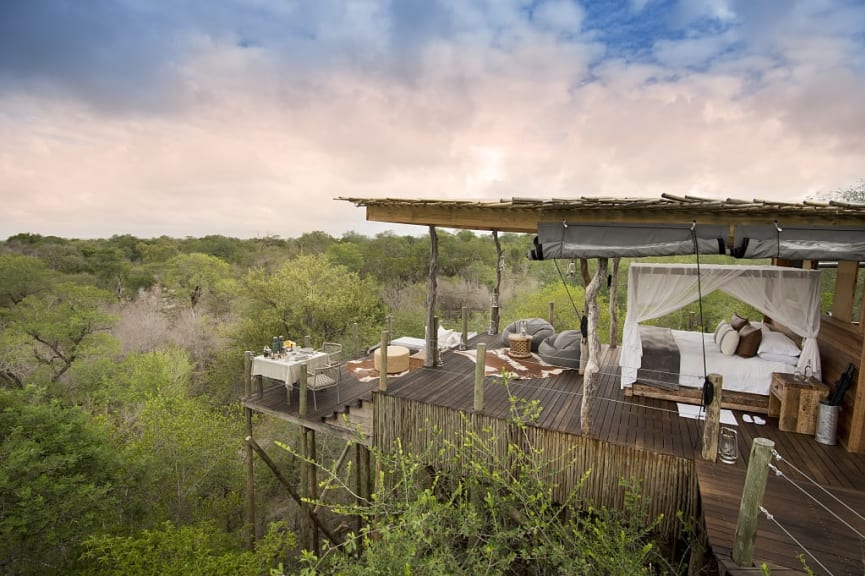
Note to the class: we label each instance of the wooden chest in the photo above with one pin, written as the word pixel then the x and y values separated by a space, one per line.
pixel 795 403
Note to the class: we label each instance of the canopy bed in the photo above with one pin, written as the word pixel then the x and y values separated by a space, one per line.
pixel 673 363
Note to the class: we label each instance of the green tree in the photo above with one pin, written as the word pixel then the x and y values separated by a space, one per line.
pixel 63 326
pixel 198 550
pixel 22 276
pixel 58 479
pixel 190 460
pixel 309 296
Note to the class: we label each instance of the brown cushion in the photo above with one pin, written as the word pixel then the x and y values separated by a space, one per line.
pixel 749 341
pixel 737 322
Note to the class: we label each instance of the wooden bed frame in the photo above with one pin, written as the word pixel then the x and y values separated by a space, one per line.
pixel 744 401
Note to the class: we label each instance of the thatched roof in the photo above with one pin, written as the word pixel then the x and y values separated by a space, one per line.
pixel 523 214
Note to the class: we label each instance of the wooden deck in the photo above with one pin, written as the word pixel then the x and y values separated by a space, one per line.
pixel 648 424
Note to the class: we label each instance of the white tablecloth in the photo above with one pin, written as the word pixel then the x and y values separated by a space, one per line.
pixel 287 369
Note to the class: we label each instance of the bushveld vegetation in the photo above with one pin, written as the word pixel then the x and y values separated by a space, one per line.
pixel 121 433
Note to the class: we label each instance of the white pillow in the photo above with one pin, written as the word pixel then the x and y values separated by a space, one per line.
pixel 780 358
pixel 729 342
pixel 777 343
pixel 721 325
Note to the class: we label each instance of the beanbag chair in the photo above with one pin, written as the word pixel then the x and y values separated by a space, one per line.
pixel 537 328
pixel 562 349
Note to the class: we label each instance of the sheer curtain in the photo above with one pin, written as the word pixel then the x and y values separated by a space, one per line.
pixel 788 295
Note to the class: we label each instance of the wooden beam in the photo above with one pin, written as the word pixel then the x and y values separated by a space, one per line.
pixel 524 217
pixel 845 290
pixel 856 438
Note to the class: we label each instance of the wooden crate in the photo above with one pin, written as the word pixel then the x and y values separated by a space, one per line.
pixel 795 403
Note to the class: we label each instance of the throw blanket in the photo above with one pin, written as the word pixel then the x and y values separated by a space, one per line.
pixel 520 368
pixel 660 363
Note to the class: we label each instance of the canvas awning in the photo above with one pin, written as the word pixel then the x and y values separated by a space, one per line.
pixel 563 240
pixel 799 242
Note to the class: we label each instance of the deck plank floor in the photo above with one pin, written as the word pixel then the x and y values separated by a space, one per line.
pixel 653 425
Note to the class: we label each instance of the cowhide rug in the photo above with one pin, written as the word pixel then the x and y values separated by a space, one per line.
pixel 520 368
pixel 364 370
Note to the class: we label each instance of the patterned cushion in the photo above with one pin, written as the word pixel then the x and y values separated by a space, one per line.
pixel 737 322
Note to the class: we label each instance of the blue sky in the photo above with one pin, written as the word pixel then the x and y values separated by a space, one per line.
pixel 247 117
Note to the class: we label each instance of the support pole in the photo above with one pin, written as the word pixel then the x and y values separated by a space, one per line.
pixel 382 364
pixel 480 366
pixel 302 401
pixel 500 265
pixel 250 441
pixel 312 487
pixel 551 312
pixel 363 490
pixel 752 499
pixel 593 367
pixel 247 374
pixel 614 305
pixel 712 425
pixel 437 361
pixel 250 484
pixel 464 338
pixel 432 332
pixel 356 339
pixel 389 328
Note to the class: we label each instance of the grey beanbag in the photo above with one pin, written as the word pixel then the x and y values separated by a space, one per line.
pixel 562 349
pixel 537 328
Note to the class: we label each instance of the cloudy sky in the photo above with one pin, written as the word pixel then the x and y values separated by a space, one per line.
pixel 248 117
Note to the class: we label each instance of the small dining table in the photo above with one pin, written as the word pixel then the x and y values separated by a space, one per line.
pixel 286 369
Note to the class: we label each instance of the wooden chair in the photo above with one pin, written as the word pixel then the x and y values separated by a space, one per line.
pixel 327 376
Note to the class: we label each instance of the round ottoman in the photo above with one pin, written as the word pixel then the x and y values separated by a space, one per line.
pixel 397 359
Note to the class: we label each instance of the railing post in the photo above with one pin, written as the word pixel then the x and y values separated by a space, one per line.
pixel 436 357
pixel 302 401
pixel 713 419
pixel 464 339
pixel 382 376
pixel 550 312
pixel 355 351
pixel 247 374
pixel 480 372
pixel 389 327
pixel 752 499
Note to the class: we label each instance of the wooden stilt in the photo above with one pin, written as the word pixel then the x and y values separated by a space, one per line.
pixel 250 485
pixel 312 487
pixel 291 491
pixel 363 488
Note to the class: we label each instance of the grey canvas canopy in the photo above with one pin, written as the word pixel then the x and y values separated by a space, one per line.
pixel 799 242
pixel 568 241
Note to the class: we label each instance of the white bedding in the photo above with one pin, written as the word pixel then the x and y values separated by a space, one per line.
pixel 752 375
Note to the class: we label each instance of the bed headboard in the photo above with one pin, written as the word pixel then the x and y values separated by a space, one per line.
pixel 783 330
